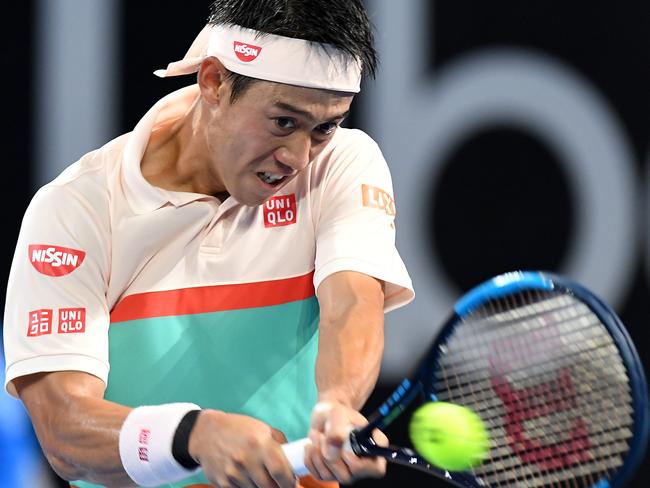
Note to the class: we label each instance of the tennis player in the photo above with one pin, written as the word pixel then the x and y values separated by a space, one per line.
pixel 193 294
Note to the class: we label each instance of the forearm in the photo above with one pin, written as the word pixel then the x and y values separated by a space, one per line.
pixel 86 447
pixel 351 343
pixel 79 434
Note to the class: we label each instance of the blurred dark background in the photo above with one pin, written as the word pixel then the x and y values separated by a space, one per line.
pixel 518 134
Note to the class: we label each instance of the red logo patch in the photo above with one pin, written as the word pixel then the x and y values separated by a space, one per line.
pixel 40 322
pixel 54 260
pixel 72 320
pixel 280 210
pixel 246 52
pixel 144 436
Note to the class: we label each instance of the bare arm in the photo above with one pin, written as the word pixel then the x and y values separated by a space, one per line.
pixel 78 430
pixel 351 343
pixel 79 433
pixel 351 337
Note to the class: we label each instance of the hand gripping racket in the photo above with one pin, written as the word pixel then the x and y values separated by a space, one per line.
pixel 552 373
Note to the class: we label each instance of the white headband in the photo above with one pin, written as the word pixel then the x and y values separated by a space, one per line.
pixel 272 58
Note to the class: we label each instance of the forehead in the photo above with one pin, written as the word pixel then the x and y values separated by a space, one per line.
pixel 321 104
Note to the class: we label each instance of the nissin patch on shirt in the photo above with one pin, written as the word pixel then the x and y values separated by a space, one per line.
pixel 55 260
pixel 280 210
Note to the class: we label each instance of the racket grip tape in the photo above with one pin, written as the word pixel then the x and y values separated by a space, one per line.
pixel 295 453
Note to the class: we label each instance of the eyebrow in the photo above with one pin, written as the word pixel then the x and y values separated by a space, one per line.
pixel 304 113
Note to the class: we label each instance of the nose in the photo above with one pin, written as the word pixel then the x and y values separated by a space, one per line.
pixel 295 151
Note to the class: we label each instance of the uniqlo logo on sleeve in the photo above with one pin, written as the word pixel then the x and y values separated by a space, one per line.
pixel 280 210
pixel 55 260
pixel 40 322
pixel 72 320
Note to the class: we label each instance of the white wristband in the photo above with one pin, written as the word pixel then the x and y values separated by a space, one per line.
pixel 146 444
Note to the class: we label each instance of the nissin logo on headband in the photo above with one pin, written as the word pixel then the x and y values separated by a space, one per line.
pixel 246 52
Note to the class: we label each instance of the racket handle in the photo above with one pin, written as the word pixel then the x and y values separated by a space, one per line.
pixel 295 452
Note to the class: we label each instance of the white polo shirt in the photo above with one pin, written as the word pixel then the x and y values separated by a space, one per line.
pixel 188 298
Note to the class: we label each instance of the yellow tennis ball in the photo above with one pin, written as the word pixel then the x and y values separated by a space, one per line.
pixel 449 436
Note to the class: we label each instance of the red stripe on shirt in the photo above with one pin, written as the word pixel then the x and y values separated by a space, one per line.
pixel 217 298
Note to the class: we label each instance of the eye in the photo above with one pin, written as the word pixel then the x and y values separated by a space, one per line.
pixel 285 123
pixel 327 128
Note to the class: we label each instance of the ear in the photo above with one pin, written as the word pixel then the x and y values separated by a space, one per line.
pixel 212 81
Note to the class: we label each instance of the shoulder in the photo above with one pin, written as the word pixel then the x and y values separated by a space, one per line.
pixel 87 181
pixel 351 142
pixel 93 165
pixel 81 191
pixel 350 154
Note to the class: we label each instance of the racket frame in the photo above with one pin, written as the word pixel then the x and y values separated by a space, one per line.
pixel 361 440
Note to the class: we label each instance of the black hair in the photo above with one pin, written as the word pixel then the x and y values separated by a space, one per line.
pixel 341 23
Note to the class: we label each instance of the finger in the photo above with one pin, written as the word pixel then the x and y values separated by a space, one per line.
pixel 249 471
pixel 340 470
pixel 278 468
pixel 337 431
pixel 380 438
pixel 315 463
pixel 236 478
pixel 261 478
pixel 364 467
pixel 278 436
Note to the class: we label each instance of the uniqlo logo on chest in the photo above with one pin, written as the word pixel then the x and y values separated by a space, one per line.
pixel 72 320
pixel 246 52
pixel 40 322
pixel 55 260
pixel 280 210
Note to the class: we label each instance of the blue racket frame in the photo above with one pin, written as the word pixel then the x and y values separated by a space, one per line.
pixel 499 286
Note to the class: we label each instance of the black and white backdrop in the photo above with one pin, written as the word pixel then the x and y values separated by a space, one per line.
pixel 518 135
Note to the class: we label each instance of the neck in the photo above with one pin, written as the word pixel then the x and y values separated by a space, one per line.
pixel 177 156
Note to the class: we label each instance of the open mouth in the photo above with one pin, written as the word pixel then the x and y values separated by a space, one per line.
pixel 270 178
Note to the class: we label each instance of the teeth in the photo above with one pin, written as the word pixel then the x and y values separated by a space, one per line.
pixel 270 177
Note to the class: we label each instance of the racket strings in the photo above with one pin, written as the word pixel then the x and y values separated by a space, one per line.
pixel 545 376
pixel 520 470
pixel 583 341
pixel 588 475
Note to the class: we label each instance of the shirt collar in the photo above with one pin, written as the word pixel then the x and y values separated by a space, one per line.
pixel 142 196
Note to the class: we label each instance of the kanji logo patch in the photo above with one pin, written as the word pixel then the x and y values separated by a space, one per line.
pixel 39 322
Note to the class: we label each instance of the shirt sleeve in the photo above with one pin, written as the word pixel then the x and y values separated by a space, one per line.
pixel 355 227
pixel 56 316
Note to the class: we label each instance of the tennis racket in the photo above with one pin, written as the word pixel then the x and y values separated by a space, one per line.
pixel 552 373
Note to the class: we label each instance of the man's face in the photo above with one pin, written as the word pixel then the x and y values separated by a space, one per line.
pixel 269 134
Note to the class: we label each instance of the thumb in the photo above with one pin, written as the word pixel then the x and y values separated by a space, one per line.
pixel 320 416
pixel 337 431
